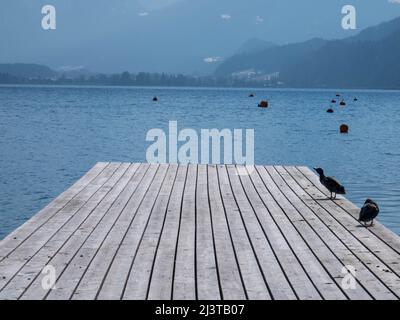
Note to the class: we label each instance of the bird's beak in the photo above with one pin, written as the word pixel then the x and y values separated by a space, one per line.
pixel 315 169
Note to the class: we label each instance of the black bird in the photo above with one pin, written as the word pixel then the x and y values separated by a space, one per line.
pixel 155 99
pixel 369 212
pixel 330 183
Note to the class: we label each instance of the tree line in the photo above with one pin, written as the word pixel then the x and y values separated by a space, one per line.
pixel 138 79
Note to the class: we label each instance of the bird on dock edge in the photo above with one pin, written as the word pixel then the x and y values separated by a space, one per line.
pixel 368 212
pixel 330 183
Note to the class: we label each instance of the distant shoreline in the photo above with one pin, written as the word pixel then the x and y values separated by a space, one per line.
pixel 250 88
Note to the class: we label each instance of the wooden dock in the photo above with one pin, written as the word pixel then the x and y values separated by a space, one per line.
pixel 140 231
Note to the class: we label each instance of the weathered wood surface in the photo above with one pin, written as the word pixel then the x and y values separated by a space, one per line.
pixel 141 231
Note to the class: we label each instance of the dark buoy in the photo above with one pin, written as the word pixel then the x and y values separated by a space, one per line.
pixel 355 99
pixel 330 110
pixel 337 95
pixel 155 99
pixel 344 128
pixel 342 103
pixel 333 101
pixel 263 104
pixel 251 95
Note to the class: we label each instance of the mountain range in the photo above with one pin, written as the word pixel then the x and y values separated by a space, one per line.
pixel 367 60
pixel 27 70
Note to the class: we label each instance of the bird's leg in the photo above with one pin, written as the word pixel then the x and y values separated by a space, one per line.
pixel 334 197
pixel 372 223
pixel 331 197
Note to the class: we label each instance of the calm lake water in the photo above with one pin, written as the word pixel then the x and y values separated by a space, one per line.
pixel 50 136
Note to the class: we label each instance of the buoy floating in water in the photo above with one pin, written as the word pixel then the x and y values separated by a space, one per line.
pixel 342 103
pixel 330 110
pixel 333 101
pixel 251 95
pixel 355 99
pixel 155 99
pixel 344 128
pixel 337 95
pixel 263 104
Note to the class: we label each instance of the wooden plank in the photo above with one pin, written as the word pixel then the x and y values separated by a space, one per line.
pixel 295 272
pixel 140 208
pixel 319 276
pixel 350 251
pixel 379 248
pixel 383 233
pixel 62 249
pixel 91 282
pixel 163 270
pixel 229 274
pixel 252 275
pixel 367 260
pixel 104 218
pixel 139 277
pixel 207 275
pixel 93 275
pixel 328 248
pixel 274 276
pixel 61 242
pixel 184 283
pixel 21 234
pixel 69 254
pixel 78 255
pixel 85 201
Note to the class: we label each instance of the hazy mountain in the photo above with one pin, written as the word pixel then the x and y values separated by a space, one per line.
pixel 167 35
pixel 270 60
pixel 27 70
pixel 369 59
pixel 255 45
pixel 378 32
pixel 344 64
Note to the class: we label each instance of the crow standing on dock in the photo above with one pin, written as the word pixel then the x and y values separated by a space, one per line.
pixel 368 212
pixel 330 183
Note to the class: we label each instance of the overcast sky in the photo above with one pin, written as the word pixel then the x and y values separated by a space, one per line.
pixel 156 4
pixel 168 35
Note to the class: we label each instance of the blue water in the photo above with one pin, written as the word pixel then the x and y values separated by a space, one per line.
pixel 50 136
